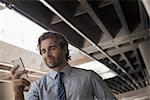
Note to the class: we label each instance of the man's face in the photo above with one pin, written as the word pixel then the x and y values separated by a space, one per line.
pixel 52 53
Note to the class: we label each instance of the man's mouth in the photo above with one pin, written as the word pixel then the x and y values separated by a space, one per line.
pixel 50 59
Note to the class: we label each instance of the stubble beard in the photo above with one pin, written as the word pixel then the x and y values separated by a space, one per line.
pixel 53 64
pixel 50 65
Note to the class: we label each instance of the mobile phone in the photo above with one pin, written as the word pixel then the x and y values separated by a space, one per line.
pixel 19 62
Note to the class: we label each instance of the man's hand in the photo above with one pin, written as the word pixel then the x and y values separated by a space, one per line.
pixel 19 83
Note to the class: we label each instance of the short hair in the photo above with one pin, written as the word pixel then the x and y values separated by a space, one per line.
pixel 61 40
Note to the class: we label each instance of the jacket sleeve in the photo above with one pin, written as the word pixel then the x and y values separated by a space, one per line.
pixel 33 92
pixel 100 89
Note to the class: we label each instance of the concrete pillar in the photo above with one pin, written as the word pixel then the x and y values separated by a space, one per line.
pixel 6 91
pixel 145 52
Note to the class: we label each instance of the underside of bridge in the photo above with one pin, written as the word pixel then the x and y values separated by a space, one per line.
pixel 108 31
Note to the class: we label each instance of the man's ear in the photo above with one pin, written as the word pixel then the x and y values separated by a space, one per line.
pixel 65 49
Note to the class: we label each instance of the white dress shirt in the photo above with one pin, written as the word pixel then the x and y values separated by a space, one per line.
pixel 79 84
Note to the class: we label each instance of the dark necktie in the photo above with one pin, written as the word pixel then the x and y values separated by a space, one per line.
pixel 61 88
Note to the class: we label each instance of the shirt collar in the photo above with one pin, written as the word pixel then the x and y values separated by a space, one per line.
pixel 66 71
pixel 53 74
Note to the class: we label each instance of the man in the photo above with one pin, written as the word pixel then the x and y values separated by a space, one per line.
pixel 63 82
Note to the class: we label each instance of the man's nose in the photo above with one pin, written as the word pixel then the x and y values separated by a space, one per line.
pixel 49 53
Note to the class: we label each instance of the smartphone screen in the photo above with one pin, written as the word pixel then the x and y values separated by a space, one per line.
pixel 19 62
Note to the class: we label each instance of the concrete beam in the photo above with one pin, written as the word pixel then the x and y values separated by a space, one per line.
pixel 134 95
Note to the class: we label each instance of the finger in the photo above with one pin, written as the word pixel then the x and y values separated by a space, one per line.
pixel 14 81
pixel 26 82
pixel 21 82
pixel 19 73
pixel 13 70
pixel 17 83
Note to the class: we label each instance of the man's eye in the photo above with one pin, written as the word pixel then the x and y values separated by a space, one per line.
pixel 53 48
pixel 43 51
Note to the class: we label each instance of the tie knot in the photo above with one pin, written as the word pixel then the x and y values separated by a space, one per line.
pixel 60 74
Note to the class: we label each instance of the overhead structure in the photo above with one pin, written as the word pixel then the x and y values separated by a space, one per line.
pixel 108 31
